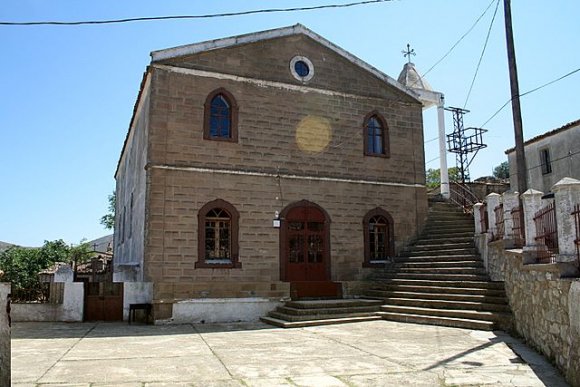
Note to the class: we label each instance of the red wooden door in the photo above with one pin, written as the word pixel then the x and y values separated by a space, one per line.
pixel 103 301
pixel 305 247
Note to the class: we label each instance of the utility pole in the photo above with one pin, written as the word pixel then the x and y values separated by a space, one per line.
pixel 515 94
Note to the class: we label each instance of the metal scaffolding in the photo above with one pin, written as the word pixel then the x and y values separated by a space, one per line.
pixel 464 141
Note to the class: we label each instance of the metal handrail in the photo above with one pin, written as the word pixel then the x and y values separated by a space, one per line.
pixel 462 196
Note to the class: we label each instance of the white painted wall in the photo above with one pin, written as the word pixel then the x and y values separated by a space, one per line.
pixel 71 309
pixel 136 293
pixel 216 310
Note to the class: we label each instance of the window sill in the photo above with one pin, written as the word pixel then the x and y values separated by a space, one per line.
pixel 207 265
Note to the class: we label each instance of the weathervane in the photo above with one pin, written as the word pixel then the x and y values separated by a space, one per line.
pixel 408 52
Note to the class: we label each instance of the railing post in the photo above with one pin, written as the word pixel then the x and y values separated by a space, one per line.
pixel 493 200
pixel 510 201
pixel 531 202
pixel 477 217
pixel 566 195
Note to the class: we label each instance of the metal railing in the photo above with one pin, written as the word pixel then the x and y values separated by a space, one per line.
pixel 517 235
pixel 546 234
pixel 483 218
pixel 462 196
pixel 576 215
pixel 44 293
pixel 499 223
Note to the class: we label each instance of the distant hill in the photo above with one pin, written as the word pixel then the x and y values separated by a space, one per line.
pixel 103 244
pixel 5 246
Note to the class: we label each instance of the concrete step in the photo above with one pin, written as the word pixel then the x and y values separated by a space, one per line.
pixel 440 289
pixel 474 263
pixel 455 313
pixel 444 304
pixel 324 312
pixel 448 226
pixel 446 240
pixel 442 283
pixel 447 233
pixel 442 321
pixel 436 258
pixel 432 252
pixel 443 246
pixel 387 294
pixel 300 324
pixel 441 270
pixel 310 317
pixel 434 277
pixel 334 304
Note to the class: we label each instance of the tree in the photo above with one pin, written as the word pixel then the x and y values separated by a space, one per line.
pixel 502 171
pixel 108 220
pixel 21 265
pixel 433 176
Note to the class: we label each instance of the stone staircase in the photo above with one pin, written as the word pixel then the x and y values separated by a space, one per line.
pixel 440 280
pixel 296 314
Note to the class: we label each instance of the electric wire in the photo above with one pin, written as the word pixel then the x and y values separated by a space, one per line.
pixel 530 92
pixel 458 41
pixel 482 54
pixel 205 16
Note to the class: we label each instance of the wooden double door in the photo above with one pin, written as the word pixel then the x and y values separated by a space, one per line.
pixel 103 301
pixel 305 248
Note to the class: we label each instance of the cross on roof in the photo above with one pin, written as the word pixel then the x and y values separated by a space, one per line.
pixel 408 52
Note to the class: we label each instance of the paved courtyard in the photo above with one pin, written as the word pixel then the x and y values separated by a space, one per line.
pixel 377 353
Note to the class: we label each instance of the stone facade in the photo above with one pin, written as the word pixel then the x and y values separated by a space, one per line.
pixel 5 329
pixel 544 305
pixel 296 141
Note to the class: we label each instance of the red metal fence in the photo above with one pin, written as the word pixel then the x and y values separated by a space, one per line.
pixel 518 236
pixel 576 214
pixel 499 223
pixel 547 233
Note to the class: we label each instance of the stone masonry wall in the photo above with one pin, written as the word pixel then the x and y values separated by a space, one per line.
pixel 545 307
pixel 177 195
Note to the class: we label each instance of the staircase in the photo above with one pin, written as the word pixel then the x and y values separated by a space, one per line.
pixel 296 314
pixel 440 280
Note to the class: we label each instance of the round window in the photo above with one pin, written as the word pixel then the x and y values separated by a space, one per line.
pixel 302 68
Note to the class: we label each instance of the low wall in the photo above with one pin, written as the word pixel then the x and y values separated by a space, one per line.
pixel 70 310
pixel 5 362
pixel 216 310
pixel 546 307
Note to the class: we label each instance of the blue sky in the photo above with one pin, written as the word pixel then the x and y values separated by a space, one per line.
pixel 67 93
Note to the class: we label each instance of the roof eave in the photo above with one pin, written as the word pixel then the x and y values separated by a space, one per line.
pixel 190 49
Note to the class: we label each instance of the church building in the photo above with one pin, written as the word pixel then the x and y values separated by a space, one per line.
pixel 263 167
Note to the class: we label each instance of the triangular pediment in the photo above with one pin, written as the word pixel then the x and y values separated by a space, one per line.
pixel 268 55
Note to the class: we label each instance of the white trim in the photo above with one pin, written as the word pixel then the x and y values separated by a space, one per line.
pixel 263 83
pixel 299 58
pixel 278 175
pixel 191 49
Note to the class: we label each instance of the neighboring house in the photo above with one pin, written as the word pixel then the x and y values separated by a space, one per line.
pixel 549 158
pixel 266 165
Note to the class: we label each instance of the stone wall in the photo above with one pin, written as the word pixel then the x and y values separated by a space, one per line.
pixel 5 361
pixel 546 307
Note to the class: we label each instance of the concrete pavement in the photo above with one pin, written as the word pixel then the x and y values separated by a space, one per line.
pixel 376 353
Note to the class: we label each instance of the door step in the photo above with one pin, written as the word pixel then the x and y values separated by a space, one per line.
pixel 323 312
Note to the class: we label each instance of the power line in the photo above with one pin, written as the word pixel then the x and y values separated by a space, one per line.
pixel 206 16
pixel 530 92
pixel 482 53
pixel 460 39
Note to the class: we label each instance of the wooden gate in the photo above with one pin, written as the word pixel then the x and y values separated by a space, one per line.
pixel 103 301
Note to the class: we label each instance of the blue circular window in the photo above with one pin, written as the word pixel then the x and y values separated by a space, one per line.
pixel 301 68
